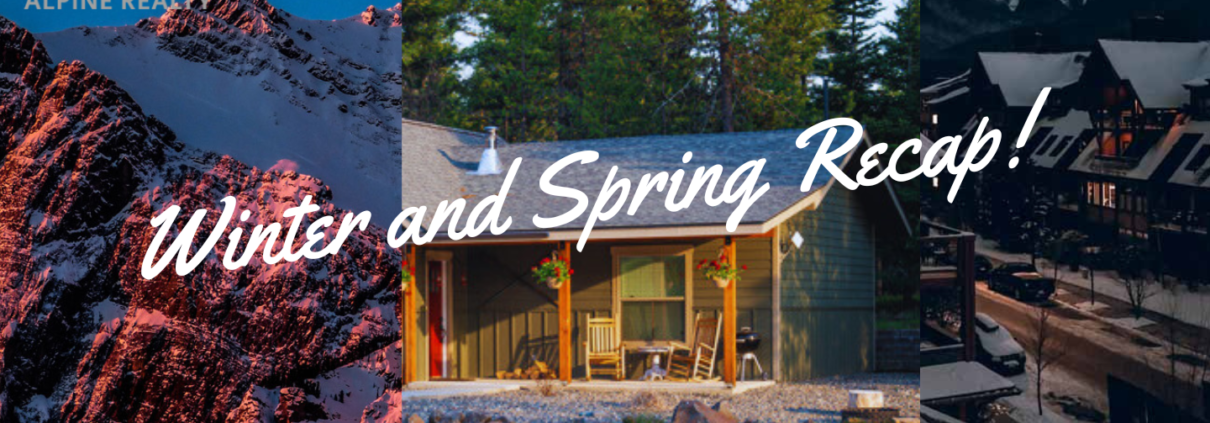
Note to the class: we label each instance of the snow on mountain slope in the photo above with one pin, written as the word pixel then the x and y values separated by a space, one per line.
pixel 84 338
pixel 268 88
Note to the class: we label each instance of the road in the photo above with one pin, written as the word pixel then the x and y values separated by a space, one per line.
pixel 1093 349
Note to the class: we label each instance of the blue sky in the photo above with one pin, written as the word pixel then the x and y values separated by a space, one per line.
pixel 54 20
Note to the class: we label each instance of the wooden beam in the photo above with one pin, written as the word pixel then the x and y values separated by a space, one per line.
pixel 729 367
pixel 409 318
pixel 565 317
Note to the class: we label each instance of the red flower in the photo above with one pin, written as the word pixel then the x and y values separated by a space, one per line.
pixel 571 272
pixel 745 267
pixel 714 263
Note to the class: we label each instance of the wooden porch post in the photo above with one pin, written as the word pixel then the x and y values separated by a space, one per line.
pixel 565 317
pixel 729 367
pixel 409 318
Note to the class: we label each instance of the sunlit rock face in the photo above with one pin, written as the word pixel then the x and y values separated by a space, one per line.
pixel 83 337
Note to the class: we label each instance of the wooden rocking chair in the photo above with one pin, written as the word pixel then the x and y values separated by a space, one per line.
pixel 604 349
pixel 696 361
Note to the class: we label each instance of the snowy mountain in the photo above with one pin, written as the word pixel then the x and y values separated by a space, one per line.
pixel 271 89
pixel 83 337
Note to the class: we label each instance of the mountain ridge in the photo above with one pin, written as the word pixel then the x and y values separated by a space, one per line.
pixel 83 167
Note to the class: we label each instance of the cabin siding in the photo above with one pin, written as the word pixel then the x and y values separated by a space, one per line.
pixel 827 291
pixel 502 318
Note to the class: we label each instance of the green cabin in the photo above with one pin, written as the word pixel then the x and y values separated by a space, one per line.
pixel 474 309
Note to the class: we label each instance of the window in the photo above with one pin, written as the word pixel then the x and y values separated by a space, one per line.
pixel 934 119
pixel 1102 194
pixel 1046 145
pixel 1059 148
pixel 1198 159
pixel 653 288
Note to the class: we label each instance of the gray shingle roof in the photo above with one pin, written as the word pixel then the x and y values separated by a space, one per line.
pixel 437 161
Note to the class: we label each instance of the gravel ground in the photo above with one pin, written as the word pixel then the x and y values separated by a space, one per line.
pixel 818 401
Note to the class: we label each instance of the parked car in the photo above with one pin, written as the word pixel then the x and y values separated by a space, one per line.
pixel 1021 281
pixel 983 267
pixel 996 348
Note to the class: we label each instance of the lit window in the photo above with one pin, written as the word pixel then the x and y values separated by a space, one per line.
pixel 1109 194
pixel 934 119
pixel 936 183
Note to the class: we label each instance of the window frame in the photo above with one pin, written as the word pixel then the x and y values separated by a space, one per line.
pixel 686 252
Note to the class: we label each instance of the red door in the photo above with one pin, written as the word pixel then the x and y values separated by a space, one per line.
pixel 436 306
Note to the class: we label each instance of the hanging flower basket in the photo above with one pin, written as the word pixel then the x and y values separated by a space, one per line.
pixel 408 275
pixel 720 271
pixel 553 271
pixel 721 282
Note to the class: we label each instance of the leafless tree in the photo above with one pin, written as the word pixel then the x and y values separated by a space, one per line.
pixel 1130 262
pixel 1138 290
pixel 1049 347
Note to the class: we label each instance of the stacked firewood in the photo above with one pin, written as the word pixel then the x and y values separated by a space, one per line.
pixel 538 370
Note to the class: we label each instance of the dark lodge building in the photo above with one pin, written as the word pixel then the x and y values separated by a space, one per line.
pixel 1122 145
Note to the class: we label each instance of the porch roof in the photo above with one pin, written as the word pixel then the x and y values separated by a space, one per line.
pixel 438 162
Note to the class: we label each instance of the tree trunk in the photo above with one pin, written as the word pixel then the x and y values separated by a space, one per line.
pixel 726 79
pixel 1038 383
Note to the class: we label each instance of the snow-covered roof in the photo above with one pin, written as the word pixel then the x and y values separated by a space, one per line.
pixel 1159 162
pixel 1056 141
pixel 1193 166
pixel 961 381
pixel 1021 76
pixel 947 84
pixel 1158 71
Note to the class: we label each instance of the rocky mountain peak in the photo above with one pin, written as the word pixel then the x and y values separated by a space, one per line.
pixel 254 17
pixel 84 338
pixel 374 17
pixel 21 53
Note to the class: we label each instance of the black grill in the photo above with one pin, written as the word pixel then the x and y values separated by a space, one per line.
pixel 747 341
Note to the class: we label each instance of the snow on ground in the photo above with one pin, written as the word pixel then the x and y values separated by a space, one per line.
pixel 1090 307
pixel 348 391
pixel 1024 408
pixel 1130 322
pixel 1189 307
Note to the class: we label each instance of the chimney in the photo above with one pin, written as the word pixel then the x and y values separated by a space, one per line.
pixel 489 162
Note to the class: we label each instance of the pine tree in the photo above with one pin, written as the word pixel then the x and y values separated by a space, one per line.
pixel 430 81
pixel 897 75
pixel 515 69
pixel 775 57
pixel 853 57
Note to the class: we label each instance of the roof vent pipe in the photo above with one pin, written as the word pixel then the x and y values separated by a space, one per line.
pixel 489 162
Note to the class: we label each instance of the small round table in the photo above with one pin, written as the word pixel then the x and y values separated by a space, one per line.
pixel 655 371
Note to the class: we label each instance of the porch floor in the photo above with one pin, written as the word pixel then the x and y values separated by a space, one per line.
pixel 441 389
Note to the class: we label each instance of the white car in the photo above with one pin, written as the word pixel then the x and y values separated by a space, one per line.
pixel 996 348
